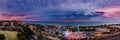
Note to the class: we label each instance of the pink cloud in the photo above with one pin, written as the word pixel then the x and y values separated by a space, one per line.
pixel 111 11
pixel 11 16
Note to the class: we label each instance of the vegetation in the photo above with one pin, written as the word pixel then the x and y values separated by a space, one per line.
pixel 12 35
pixel 2 36
pixel 25 33
pixel 40 36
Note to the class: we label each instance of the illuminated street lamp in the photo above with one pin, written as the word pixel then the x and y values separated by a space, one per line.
pixel 78 30
pixel 3 24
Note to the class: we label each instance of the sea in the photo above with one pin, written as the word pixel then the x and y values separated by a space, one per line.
pixel 71 23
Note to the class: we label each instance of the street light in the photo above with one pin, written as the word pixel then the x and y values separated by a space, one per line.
pixel 78 29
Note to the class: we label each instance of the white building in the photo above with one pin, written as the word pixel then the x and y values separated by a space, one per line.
pixel 103 29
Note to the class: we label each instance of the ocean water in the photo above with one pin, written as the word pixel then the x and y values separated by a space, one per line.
pixel 71 23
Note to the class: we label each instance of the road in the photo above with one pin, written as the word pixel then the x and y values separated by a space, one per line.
pixel 115 38
pixel 53 38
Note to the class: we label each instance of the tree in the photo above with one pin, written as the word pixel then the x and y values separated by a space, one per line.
pixel 27 31
pixel 0 23
pixel 40 36
pixel 22 37
pixel 2 36
pixel 24 34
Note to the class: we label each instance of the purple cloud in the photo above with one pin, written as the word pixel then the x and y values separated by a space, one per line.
pixel 55 10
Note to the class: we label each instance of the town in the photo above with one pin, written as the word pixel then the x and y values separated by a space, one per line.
pixel 19 30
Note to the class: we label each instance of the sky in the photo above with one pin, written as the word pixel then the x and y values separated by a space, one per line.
pixel 60 10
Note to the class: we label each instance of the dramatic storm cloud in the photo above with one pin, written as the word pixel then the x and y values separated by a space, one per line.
pixel 59 10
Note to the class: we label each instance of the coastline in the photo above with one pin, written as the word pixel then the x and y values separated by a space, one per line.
pixel 70 23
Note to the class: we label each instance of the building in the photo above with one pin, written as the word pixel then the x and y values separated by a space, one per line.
pixel 102 29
